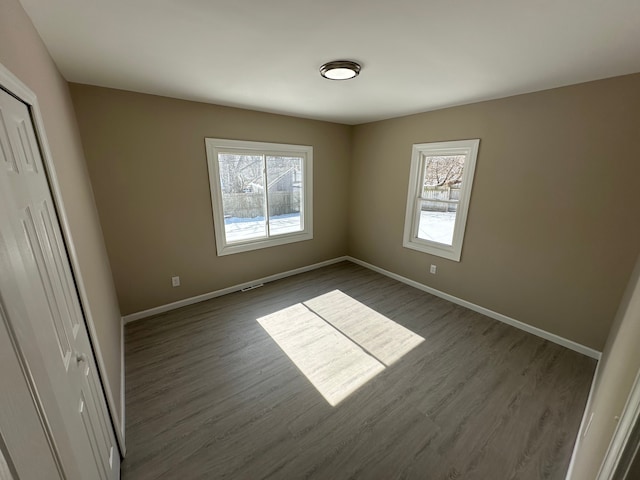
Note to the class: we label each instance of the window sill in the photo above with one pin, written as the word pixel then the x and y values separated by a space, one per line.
pixel 433 248
pixel 247 246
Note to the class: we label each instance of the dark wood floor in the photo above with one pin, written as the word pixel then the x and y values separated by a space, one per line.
pixel 210 394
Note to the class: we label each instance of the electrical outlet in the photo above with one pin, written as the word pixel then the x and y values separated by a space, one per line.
pixel 175 281
pixel 433 269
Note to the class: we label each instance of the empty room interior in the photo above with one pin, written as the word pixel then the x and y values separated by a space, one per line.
pixel 319 240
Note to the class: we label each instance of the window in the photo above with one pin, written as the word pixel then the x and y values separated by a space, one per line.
pixel 438 198
pixel 261 194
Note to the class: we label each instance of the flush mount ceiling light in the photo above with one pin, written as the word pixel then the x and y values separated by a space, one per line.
pixel 340 70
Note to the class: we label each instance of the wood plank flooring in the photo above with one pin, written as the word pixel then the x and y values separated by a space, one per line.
pixel 452 394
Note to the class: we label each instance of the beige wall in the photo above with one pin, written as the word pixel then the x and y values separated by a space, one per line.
pixel 147 161
pixel 550 238
pixel 24 54
pixel 616 373
pixel 553 230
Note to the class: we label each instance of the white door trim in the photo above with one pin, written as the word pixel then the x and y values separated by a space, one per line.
pixel 585 423
pixel 16 87
pixel 630 417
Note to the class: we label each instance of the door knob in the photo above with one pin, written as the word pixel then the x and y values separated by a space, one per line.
pixel 81 358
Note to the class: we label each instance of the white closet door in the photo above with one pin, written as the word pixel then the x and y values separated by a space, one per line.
pixel 41 304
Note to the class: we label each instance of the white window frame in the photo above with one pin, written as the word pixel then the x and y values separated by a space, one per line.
pixel 469 148
pixel 214 146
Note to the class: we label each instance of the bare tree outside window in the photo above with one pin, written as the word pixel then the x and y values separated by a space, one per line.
pixel 443 171
pixel 239 173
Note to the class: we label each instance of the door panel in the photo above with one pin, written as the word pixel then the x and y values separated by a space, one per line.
pixel 43 306
pixel 25 442
pixel 27 144
pixel 91 435
pixel 57 318
pixel 100 423
pixel 59 254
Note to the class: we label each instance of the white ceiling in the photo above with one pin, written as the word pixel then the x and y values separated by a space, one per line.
pixel 265 54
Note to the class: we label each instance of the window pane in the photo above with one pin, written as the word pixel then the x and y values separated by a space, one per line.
pixel 441 191
pixel 243 200
pixel 443 171
pixel 284 176
pixel 437 221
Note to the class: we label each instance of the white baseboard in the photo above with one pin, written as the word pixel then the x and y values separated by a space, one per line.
pixel 586 418
pixel 552 337
pixel 218 293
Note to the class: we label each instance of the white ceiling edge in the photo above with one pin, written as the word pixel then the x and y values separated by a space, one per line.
pixel 417 55
pixel 352 121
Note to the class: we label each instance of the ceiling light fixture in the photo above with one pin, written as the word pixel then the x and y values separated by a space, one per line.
pixel 340 70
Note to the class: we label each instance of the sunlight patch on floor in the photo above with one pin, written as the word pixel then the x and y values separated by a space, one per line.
pixel 338 343
pixel 380 336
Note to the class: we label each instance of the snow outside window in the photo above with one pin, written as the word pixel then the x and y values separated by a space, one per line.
pixel 260 193
pixel 438 199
